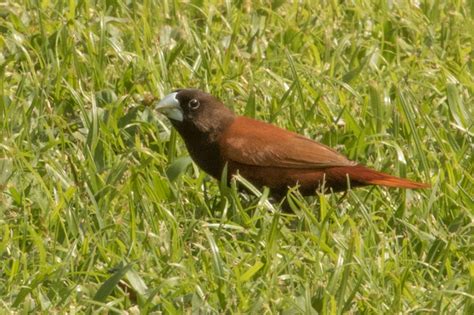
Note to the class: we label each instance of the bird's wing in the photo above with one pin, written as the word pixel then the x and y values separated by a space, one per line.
pixel 252 142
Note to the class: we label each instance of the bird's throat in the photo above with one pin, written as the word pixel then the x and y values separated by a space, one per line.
pixel 203 148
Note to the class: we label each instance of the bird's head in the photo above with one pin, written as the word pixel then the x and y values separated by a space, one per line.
pixel 194 109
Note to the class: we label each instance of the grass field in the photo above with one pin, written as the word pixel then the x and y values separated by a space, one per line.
pixel 101 209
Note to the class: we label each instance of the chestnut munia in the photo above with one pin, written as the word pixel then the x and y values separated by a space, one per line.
pixel 262 153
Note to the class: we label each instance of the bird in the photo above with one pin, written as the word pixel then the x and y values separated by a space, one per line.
pixel 264 154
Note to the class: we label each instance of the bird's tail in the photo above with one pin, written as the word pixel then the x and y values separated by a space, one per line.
pixel 367 176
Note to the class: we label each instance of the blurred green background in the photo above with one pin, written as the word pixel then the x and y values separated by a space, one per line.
pixel 101 209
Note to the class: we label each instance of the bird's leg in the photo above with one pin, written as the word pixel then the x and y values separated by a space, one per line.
pixel 342 197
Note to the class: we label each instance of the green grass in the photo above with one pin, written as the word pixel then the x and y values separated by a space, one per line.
pixel 101 210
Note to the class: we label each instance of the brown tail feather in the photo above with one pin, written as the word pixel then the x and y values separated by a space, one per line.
pixel 369 176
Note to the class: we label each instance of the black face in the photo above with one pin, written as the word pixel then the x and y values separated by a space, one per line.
pixel 192 102
pixel 201 108
pixel 193 111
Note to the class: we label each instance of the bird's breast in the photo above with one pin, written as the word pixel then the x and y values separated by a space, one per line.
pixel 207 156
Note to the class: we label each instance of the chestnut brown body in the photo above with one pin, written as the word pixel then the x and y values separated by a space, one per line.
pixel 264 154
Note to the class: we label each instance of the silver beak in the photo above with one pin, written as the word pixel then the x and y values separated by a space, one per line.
pixel 170 107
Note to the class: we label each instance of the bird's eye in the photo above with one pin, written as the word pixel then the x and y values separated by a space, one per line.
pixel 193 104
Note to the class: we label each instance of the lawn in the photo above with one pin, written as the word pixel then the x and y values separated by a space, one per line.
pixel 102 210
